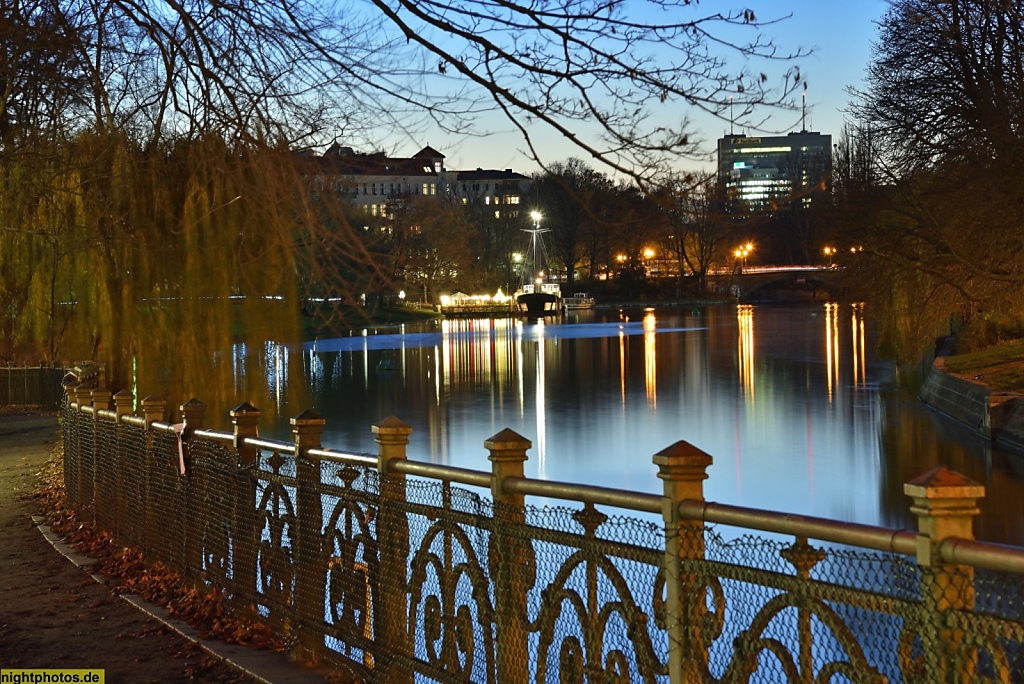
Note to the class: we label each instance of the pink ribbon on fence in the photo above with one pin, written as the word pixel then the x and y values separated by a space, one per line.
pixel 178 429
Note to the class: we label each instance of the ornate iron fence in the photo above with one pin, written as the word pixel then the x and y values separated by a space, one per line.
pixel 413 571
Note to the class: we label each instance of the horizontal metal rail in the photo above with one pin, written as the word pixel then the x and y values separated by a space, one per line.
pixel 272 445
pixel 344 457
pixel 466 476
pixel 981 554
pixel 225 438
pixel 634 501
pixel 136 421
pixel 850 534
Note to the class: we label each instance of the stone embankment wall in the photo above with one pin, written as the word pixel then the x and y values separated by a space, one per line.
pixel 996 415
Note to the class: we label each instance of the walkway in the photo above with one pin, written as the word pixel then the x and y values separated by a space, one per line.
pixel 53 614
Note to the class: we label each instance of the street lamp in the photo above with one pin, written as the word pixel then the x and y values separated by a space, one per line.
pixel 830 253
pixel 741 254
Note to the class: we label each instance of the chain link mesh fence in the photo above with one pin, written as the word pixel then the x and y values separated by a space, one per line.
pixel 413 579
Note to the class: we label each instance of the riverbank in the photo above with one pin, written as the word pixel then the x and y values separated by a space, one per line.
pixel 983 391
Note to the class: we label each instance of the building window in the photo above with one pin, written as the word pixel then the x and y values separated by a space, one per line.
pixel 433 188
pixel 373 209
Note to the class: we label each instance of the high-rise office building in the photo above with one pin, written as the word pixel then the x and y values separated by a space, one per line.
pixel 765 174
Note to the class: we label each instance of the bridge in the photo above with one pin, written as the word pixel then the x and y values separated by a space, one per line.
pixel 765 283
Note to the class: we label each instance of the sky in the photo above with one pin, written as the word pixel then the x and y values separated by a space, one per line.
pixel 839 34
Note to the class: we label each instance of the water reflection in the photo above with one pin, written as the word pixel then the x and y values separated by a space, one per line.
pixel 651 358
pixel 829 434
pixel 832 346
pixel 745 347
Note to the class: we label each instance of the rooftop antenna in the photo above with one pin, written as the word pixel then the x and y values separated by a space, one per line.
pixel 803 115
pixel 730 115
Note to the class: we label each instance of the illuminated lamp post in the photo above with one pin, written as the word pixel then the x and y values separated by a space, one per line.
pixel 741 254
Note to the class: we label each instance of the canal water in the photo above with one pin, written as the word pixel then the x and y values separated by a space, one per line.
pixel 798 413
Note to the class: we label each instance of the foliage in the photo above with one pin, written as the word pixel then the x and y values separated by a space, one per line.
pixel 939 215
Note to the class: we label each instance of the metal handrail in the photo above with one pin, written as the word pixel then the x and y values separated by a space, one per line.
pixel 981 554
pixel 271 444
pixel 634 501
pixel 344 457
pixel 851 534
pixel 466 476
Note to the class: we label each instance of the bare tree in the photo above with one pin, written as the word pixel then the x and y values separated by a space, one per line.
pixel 943 105
pixel 168 173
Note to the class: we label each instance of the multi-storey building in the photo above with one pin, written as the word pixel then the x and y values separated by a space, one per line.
pixel 376 181
pixel 502 190
pixel 764 174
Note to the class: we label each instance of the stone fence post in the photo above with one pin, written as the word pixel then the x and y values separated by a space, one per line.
pixel 509 557
pixel 390 598
pixel 945 503
pixel 682 468
pixel 310 568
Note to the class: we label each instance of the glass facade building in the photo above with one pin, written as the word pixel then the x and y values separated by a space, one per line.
pixel 764 174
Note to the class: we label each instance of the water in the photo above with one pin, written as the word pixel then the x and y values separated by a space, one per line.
pixel 797 412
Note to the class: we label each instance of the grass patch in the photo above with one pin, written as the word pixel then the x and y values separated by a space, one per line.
pixel 1000 367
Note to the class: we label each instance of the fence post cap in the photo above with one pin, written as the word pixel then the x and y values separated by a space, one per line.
pixel 391 425
pixel 244 409
pixel 507 439
pixel 943 483
pixel 679 457
pixel 307 417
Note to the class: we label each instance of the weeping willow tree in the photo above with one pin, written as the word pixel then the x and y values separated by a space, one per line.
pixel 152 205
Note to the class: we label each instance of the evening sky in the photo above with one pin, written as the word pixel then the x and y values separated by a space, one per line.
pixel 839 34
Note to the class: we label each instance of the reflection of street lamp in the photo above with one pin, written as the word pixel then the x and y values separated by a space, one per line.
pixel 741 254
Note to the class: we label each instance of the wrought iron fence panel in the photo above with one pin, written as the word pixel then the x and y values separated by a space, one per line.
pixel 86 470
pixel 105 475
pixel 989 628
pixel 168 501
pixel 351 502
pixel 72 460
pixel 130 483
pixel 595 606
pixel 760 621
pixel 450 591
pixel 214 480
pixel 276 528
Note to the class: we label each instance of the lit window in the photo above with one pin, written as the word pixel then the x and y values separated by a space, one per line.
pixel 497 214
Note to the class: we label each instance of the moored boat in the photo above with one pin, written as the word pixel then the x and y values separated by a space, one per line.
pixel 580 300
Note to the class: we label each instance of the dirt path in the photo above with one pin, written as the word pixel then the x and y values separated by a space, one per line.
pixel 52 613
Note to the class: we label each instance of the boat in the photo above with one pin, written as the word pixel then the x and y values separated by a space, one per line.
pixel 540 301
pixel 580 300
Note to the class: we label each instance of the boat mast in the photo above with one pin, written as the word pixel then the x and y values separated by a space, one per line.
pixel 535 238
